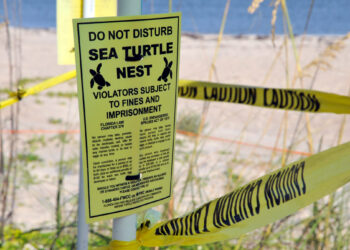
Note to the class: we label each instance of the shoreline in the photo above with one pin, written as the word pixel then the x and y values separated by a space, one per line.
pixel 194 34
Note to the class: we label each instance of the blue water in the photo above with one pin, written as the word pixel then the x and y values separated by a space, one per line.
pixel 204 16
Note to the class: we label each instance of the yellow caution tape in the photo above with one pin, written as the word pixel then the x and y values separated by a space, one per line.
pixel 17 96
pixel 258 203
pixel 290 99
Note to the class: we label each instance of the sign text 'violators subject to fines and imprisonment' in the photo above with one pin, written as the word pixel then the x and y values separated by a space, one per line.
pixel 127 70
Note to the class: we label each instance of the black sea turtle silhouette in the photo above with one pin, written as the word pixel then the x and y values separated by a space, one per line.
pixel 98 78
pixel 167 71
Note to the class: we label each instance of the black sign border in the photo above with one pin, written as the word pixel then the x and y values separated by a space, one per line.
pixel 83 102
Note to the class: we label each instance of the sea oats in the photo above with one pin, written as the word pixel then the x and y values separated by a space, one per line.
pixel 254 6
pixel 330 52
pixel 273 19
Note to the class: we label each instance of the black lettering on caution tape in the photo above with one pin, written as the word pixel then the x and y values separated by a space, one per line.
pixel 241 204
pixel 285 185
pixel 291 99
pixel 272 98
pixel 229 209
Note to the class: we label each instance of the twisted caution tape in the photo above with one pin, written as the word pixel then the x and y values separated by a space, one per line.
pixel 258 203
pixel 288 99
pixel 21 93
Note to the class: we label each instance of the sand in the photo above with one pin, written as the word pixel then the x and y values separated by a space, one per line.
pixel 244 60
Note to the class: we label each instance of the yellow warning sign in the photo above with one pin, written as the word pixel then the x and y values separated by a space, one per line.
pixel 127 71
pixel 67 10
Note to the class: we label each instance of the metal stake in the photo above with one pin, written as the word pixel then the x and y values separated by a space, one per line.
pixel 124 228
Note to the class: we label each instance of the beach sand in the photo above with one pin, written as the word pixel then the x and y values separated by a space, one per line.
pixel 244 60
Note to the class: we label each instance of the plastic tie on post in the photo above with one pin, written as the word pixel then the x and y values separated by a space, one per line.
pixel 136 177
pixel 128 245
pixel 18 94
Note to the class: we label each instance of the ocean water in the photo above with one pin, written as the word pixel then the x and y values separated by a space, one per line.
pixel 204 16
